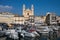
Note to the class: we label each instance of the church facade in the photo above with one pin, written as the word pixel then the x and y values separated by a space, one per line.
pixel 29 17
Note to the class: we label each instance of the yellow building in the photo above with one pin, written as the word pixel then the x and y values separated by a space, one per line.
pixel 6 17
pixel 40 20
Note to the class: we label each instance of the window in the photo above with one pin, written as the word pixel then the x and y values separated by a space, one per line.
pixel 27 13
pixel 53 18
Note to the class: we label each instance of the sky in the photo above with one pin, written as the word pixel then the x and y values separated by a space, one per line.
pixel 41 7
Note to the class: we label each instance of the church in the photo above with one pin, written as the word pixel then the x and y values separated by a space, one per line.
pixel 29 17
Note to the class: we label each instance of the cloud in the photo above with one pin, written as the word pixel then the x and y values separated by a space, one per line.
pixel 5 8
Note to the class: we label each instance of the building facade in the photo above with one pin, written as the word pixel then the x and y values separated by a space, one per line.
pixel 28 17
pixel 51 19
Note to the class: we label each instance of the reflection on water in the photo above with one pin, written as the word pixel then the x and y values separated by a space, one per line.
pixel 29 38
pixel 36 38
pixel 26 38
pixel 39 38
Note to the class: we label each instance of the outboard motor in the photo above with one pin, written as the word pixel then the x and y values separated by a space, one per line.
pixel 19 35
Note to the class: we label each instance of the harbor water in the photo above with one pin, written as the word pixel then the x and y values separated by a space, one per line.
pixel 30 38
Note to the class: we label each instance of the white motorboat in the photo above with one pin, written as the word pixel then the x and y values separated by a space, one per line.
pixel 43 29
pixel 11 33
pixel 30 33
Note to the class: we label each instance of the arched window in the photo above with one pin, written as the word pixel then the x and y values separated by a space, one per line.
pixel 27 13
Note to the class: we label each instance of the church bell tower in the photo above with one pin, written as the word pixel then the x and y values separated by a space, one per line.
pixel 23 8
pixel 28 12
pixel 32 8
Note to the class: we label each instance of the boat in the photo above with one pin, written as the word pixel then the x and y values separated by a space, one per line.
pixel 11 33
pixel 27 33
pixel 30 34
pixel 2 32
